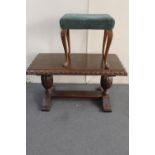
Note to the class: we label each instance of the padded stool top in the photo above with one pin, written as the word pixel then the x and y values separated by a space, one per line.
pixel 87 21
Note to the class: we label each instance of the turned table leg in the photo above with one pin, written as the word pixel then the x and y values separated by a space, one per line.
pixel 106 83
pixel 47 82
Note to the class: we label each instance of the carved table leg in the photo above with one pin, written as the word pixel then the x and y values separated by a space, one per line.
pixel 106 83
pixel 47 82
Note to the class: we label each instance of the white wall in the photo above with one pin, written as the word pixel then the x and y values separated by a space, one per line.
pixel 119 9
pixel 43 31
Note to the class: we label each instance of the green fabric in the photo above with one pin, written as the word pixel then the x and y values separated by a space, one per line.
pixel 87 21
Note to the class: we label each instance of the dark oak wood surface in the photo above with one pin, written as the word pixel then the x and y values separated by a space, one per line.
pixel 79 94
pixel 49 64
pixel 81 64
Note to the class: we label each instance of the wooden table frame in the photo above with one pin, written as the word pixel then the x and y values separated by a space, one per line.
pixel 47 82
pixel 47 65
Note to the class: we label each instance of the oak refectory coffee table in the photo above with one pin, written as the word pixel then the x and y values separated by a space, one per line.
pixel 47 65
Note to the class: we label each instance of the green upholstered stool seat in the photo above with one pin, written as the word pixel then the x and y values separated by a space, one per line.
pixel 87 21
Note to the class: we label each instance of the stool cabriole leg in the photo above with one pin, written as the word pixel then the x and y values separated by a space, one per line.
pixel 104 42
pixel 108 35
pixel 47 82
pixel 69 46
pixel 106 83
pixel 65 44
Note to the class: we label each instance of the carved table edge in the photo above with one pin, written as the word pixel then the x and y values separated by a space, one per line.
pixel 65 72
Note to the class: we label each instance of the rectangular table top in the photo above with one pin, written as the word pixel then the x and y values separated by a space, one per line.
pixel 81 64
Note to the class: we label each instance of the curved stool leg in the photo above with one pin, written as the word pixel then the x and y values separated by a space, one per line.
pixel 65 42
pixel 104 41
pixel 104 46
pixel 108 35
pixel 69 46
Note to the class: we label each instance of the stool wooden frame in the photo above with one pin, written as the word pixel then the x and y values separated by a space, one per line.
pixel 107 39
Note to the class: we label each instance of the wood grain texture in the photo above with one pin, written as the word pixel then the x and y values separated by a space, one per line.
pixel 50 64
pixel 81 64
pixel 79 94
